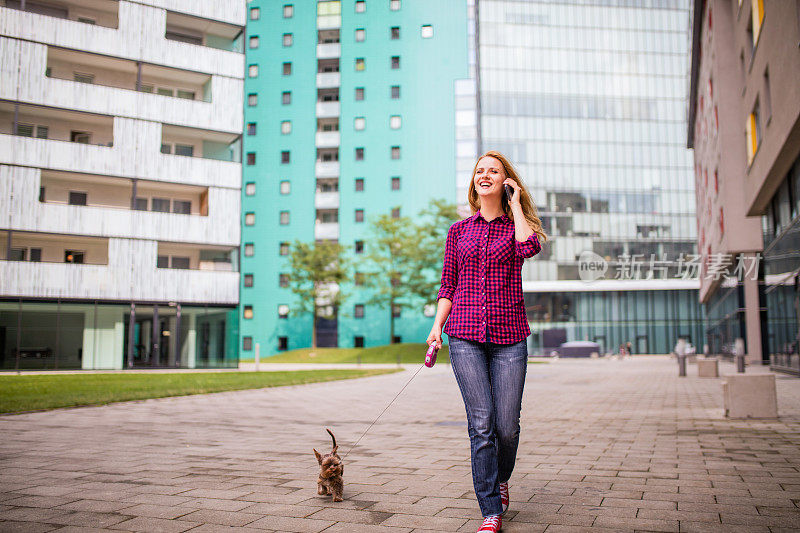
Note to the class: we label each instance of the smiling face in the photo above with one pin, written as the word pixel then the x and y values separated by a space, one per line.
pixel 489 177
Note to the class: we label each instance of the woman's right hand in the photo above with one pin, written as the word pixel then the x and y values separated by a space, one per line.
pixel 435 336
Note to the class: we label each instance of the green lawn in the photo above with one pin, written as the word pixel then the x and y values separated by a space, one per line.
pixel 410 353
pixel 31 392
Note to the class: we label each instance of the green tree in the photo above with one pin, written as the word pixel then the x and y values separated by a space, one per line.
pixel 318 270
pixel 427 253
pixel 388 264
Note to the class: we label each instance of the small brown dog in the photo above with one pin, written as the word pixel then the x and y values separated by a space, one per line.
pixel 330 472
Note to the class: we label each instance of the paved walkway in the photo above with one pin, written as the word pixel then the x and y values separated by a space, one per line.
pixel 607 445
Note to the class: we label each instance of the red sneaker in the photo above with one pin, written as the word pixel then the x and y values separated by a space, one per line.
pixel 491 524
pixel 504 496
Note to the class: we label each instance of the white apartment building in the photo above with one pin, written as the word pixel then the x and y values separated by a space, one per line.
pixel 120 178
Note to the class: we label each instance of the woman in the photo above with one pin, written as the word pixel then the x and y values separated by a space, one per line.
pixel 481 293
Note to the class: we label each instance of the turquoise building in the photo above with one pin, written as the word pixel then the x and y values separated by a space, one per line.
pixel 350 113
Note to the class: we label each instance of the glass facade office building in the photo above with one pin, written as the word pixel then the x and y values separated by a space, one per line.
pixel 587 98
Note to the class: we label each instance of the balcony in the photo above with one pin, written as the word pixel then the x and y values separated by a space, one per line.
pixel 50 248
pixel 328 80
pixel 97 12
pixel 91 190
pixel 326 200
pixel 328 109
pixel 326 231
pixel 327 139
pixel 329 50
pixel 204 32
pixel 206 144
pixel 328 22
pixel 129 273
pixel 327 169
pixel 193 257
pixel 56 124
pixel 93 69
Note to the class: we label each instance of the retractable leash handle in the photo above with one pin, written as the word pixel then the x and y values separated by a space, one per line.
pixel 430 355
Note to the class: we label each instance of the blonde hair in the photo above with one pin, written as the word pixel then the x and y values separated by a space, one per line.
pixel 528 207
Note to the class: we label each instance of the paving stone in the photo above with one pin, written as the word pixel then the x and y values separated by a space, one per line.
pixel 627 446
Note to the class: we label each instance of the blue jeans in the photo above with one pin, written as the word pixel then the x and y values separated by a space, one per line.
pixel 491 378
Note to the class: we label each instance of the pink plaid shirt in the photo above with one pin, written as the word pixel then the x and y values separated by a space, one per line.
pixel 482 276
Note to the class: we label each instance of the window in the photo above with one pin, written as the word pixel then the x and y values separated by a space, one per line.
pixel 359 247
pixel 250 189
pixel 253 42
pixel 288 11
pixel 25 130
pixel 395 62
pixel 359 215
pixel 184 150
pixel 397 339
pixel 361 34
pixel 396 309
pixel 249 219
pixel 767 97
pixel 361 6
pixel 42 191
pixel 426 31
pixel 286 157
pixel 359 154
pixel 359 279
pixel 74 256
pixel 248 311
pixel 396 183
pixel 283 311
pixel 251 158
pixel 284 248
pixel 360 63
pixel 249 249
pixel 255 13
pixel 82 77
pixel 77 198
pixel 359 184
pixel 328 8
pixel 287 68
pixel 247 344
pixel 394 32
pixel 283 343
pixel 360 123
pixel 395 212
pixel 753 133
pixel 42 132
pixel 287 39
pixel 395 151
pixel 252 71
pixel 181 263
pixel 286 97
pixel 182 207
pixel 283 280
pixel 359 311
pixel 358 341
pixel 758 18
pixel 395 122
pixel 286 127
pixel 395 92
pixel 80 137
pixel 163 91
pixel 285 187
pixel 251 128
pixel 284 218
pixel 252 99
pixel 394 5
pixel 359 93
pixel 86 20
pixel 248 280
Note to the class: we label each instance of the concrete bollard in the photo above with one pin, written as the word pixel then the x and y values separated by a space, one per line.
pixel 258 354
pixel 750 396
pixel 681 365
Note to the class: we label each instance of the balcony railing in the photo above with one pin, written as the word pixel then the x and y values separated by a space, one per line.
pixel 326 80
pixel 204 32
pixel 99 12
pixel 53 124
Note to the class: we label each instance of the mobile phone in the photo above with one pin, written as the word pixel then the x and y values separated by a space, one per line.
pixel 509 191
pixel 430 355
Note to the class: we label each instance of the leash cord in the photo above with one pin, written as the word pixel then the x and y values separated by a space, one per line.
pixel 384 410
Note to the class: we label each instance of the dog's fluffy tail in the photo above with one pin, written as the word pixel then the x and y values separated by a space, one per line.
pixel 332 437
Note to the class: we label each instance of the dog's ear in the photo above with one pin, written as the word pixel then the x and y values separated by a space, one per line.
pixel 319 457
pixel 334 449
